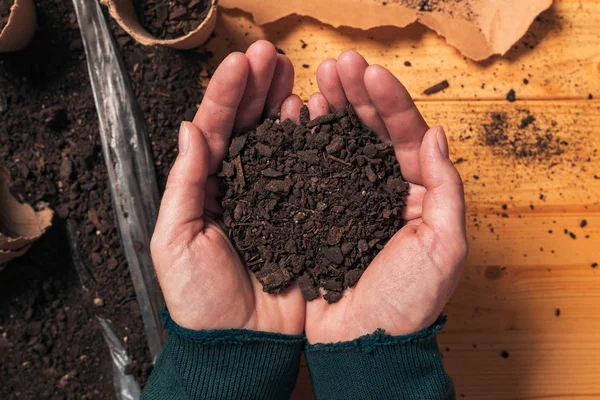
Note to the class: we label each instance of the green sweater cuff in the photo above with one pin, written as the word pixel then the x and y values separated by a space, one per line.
pixel 224 364
pixel 380 366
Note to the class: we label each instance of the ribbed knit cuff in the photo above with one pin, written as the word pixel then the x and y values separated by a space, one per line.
pixel 380 366
pixel 224 364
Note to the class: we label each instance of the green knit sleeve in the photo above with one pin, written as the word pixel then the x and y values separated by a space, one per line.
pixel 380 366
pixel 226 364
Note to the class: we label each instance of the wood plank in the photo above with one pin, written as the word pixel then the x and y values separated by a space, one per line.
pixel 564 62
pixel 518 273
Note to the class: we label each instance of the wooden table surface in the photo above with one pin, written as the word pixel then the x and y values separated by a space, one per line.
pixel 522 266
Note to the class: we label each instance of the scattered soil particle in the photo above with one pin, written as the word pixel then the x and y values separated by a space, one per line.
pixel 438 87
pixel 557 312
pixel 5 6
pixel 525 122
pixel 594 265
pixel 583 223
pixel 521 139
pixel 504 354
pixel 317 207
pixel 511 95
pixel 458 8
pixel 172 19
pixel 572 235
pixel 526 81
pixel 407 64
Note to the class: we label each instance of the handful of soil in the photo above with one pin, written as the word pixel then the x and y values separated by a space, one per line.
pixel 313 202
pixel 171 19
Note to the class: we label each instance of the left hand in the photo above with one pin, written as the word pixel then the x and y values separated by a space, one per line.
pixel 205 284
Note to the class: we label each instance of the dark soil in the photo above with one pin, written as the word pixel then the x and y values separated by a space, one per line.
pixel 171 19
pixel 50 341
pixel 5 6
pixel 313 202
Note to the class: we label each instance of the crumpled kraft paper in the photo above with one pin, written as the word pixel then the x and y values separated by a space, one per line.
pixel 20 224
pixel 477 28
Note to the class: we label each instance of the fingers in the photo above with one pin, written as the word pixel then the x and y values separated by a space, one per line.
pixel 402 119
pixel 444 204
pixel 218 109
pixel 414 202
pixel 183 201
pixel 317 105
pixel 262 60
pixel 290 108
pixel 351 68
pixel 281 86
pixel 330 84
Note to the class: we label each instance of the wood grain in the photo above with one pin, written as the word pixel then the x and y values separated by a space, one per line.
pixel 522 266
pixel 560 55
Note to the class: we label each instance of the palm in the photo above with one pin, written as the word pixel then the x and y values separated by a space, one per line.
pixel 407 285
pixel 204 282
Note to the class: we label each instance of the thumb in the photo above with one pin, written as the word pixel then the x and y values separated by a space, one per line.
pixel 183 201
pixel 444 202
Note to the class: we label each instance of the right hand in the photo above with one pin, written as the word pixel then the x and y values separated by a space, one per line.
pixel 408 284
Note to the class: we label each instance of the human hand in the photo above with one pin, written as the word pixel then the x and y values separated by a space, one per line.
pixel 203 280
pixel 410 281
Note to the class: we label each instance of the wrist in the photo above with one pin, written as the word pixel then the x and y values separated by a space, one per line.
pixel 354 328
pixel 350 337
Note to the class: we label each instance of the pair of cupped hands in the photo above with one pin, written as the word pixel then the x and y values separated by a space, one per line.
pixel 404 290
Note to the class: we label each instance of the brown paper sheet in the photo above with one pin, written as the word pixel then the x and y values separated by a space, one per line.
pixel 20 224
pixel 477 28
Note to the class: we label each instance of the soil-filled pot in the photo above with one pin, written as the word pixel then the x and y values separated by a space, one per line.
pixel 19 29
pixel 124 11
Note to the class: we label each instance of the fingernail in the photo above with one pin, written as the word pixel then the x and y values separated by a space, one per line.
pixel 442 141
pixel 184 136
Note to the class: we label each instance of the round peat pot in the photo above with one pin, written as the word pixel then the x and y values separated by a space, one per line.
pixel 20 27
pixel 124 12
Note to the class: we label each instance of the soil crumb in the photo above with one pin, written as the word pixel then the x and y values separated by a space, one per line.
pixel 511 96
pixel 438 87
pixel 459 8
pixel 520 138
pixel 173 19
pixel 5 6
pixel 313 202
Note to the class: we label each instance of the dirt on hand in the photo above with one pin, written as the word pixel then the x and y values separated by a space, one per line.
pixel 5 6
pixel 312 203
pixel 173 19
